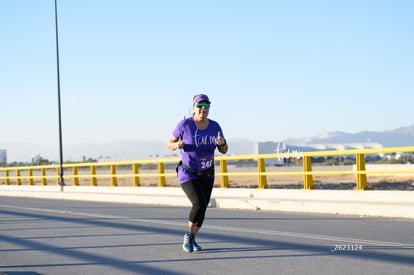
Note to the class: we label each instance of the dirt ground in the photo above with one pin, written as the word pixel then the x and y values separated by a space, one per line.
pixel 344 182
pixel 339 182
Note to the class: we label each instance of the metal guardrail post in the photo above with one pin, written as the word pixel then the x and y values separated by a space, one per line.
pixel 262 180
pixel 7 177
pixel 18 179
pixel 224 180
pixel 75 176
pixel 30 172
pixel 114 180
pixel 94 181
pixel 135 171
pixel 161 178
pixel 361 178
pixel 307 178
pixel 43 173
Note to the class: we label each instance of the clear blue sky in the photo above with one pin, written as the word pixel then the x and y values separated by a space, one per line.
pixel 273 69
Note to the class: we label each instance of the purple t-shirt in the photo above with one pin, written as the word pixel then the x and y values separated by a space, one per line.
pixel 199 146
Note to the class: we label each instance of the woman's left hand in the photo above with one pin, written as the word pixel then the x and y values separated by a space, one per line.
pixel 219 140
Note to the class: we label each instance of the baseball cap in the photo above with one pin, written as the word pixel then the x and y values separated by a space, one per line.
pixel 200 98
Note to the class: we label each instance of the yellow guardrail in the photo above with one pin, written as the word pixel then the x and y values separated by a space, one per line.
pixel 14 174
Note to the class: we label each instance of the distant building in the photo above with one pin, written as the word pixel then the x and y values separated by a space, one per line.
pixel 3 156
pixel 283 150
pixel 39 160
pixel 269 147
pixel 296 151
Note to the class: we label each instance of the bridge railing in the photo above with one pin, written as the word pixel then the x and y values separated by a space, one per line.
pixel 47 173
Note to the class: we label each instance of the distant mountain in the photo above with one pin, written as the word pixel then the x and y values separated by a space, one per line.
pixel 403 136
pixel 238 146
pixel 136 149
pixel 119 150
pixel 128 150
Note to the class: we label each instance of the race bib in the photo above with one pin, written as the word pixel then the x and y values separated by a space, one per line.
pixel 205 162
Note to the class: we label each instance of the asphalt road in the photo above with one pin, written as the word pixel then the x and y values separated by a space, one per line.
pixel 72 237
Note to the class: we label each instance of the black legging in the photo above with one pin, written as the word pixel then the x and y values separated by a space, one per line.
pixel 198 192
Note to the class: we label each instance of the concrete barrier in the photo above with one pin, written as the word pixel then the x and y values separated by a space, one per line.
pixel 343 202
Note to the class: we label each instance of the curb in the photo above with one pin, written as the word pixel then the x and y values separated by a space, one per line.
pixel 377 203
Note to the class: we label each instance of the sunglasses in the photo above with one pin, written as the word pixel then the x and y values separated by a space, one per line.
pixel 205 105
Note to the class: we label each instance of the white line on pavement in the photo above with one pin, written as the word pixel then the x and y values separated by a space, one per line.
pixel 222 228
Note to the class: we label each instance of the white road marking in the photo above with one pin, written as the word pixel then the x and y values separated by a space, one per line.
pixel 223 228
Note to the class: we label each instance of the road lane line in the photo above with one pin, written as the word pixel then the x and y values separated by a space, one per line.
pixel 222 228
